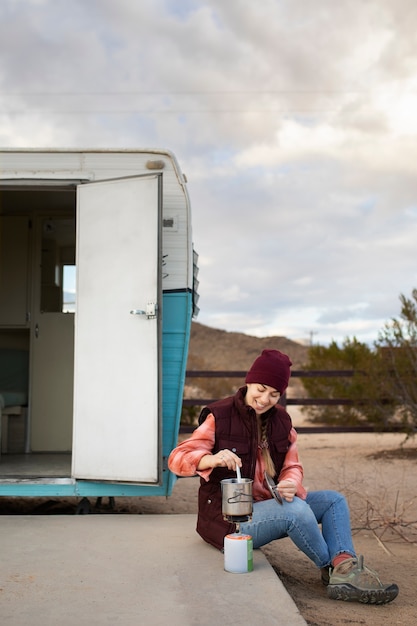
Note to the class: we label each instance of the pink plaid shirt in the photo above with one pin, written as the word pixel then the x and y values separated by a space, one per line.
pixel 184 459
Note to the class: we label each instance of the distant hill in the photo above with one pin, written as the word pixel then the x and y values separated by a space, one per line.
pixel 214 349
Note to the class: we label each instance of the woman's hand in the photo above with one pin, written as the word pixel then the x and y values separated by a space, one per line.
pixel 287 490
pixel 227 458
pixel 223 458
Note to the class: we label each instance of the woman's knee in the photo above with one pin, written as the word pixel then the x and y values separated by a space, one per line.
pixel 326 497
pixel 337 498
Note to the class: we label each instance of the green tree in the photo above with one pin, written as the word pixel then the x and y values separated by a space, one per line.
pixel 397 350
pixel 383 388
pixel 353 356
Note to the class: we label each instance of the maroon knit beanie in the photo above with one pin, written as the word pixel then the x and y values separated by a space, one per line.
pixel 271 368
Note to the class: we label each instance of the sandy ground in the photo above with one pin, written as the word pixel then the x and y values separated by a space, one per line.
pixel 382 494
pixel 379 479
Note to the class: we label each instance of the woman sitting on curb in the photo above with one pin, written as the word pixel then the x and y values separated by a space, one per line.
pixel 252 431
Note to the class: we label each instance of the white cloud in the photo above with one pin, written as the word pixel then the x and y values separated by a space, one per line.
pixel 294 122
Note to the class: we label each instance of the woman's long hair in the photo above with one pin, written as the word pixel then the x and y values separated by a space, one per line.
pixel 263 442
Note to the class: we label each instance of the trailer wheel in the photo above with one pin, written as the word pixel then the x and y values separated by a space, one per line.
pixel 83 507
pixel 99 502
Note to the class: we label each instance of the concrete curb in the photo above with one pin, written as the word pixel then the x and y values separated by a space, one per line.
pixel 129 569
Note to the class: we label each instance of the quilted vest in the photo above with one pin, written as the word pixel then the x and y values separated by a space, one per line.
pixel 236 430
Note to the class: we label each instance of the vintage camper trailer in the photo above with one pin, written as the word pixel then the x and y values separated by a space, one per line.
pixel 97 293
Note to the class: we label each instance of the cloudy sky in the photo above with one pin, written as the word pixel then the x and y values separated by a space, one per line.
pixel 295 122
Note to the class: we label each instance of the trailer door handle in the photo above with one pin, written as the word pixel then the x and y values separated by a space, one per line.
pixel 150 313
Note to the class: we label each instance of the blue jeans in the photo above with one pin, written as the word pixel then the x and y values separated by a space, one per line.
pixel 300 521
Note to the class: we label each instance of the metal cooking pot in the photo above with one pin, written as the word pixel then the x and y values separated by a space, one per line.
pixel 237 500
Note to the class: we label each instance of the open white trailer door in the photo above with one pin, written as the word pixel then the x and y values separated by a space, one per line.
pixel 117 331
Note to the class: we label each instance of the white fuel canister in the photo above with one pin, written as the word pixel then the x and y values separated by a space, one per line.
pixel 238 553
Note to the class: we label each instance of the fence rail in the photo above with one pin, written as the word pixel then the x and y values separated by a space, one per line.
pixel 285 401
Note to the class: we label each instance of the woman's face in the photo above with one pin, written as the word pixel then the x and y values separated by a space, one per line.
pixel 261 397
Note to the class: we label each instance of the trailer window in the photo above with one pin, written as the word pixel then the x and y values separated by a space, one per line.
pixel 58 265
pixel 69 289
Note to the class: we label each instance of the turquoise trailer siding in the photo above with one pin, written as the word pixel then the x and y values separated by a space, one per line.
pixel 176 328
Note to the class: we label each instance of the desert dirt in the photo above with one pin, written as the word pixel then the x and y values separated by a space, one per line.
pixel 380 481
pixel 379 478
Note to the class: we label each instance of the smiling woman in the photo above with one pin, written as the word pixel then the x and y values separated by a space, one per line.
pixel 251 431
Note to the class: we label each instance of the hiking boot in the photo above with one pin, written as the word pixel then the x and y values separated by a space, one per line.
pixel 353 582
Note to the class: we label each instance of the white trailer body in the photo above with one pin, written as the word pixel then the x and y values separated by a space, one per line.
pixel 101 408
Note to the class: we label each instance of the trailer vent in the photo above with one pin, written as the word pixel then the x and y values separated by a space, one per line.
pixel 170 222
pixel 155 165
